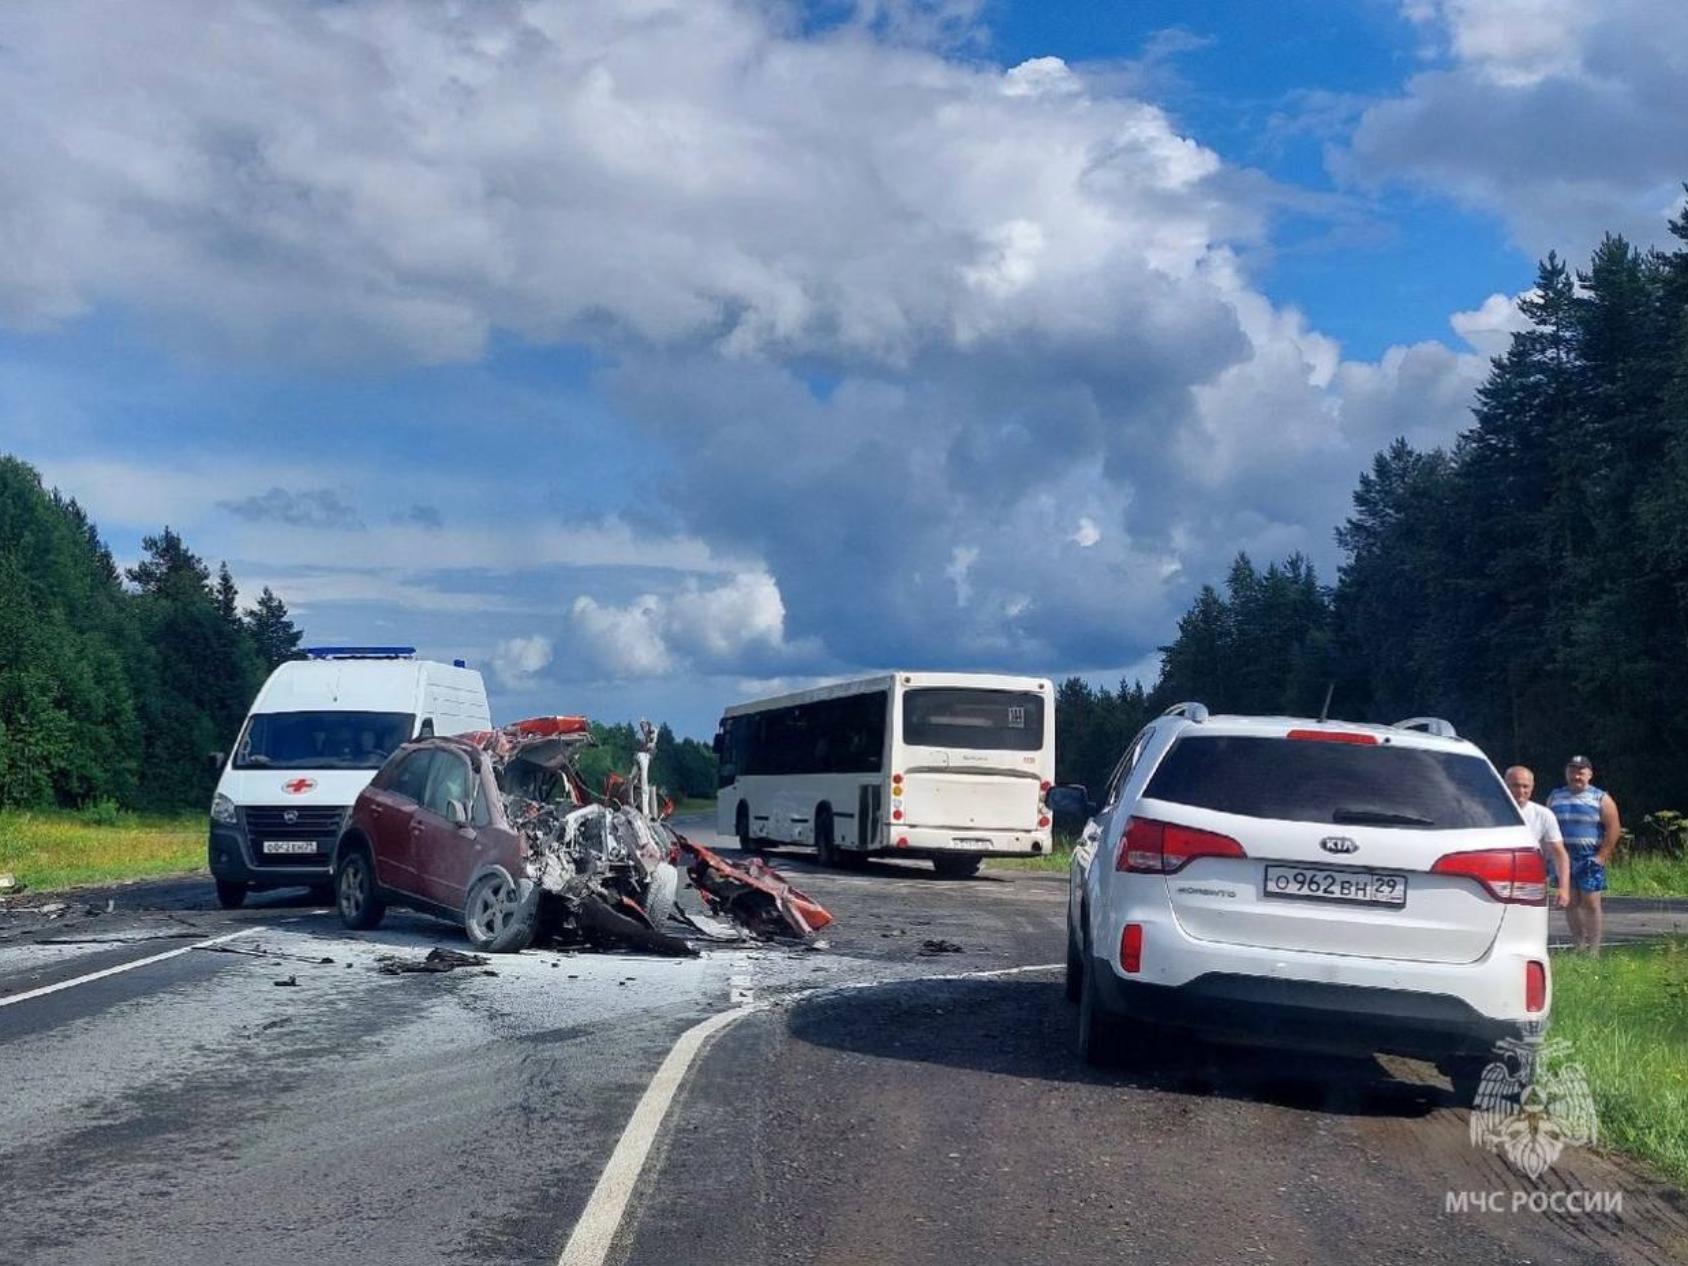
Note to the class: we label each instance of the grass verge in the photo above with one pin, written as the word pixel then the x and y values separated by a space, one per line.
pixel 48 849
pixel 1649 875
pixel 1625 1014
pixel 696 804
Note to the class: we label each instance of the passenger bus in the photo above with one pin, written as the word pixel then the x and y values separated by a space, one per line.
pixel 953 767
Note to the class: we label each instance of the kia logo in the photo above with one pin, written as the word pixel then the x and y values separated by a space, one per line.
pixel 1338 844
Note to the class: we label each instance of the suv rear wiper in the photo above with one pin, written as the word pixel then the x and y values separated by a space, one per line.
pixel 1377 817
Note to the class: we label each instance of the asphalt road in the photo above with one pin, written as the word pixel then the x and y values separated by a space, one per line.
pixel 890 1101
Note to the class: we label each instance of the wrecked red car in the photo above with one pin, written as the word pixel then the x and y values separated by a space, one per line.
pixel 496 829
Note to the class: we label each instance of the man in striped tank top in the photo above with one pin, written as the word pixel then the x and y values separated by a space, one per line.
pixel 1588 820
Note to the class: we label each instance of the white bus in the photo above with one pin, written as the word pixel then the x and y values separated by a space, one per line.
pixel 953 767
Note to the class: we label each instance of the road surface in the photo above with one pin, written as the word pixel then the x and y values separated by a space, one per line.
pixel 879 1100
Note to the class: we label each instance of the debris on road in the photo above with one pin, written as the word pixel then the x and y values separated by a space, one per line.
pixel 437 961
pixel 754 893
pixel 289 982
pixel 9 885
pixel 940 946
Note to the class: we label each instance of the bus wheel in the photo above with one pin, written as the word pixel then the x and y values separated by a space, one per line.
pixel 741 824
pixel 826 851
pixel 956 867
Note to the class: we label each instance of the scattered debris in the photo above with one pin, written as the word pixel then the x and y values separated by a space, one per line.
pixel 9 885
pixel 290 982
pixel 256 951
pixel 114 940
pixel 754 893
pixel 939 946
pixel 437 961
pixel 52 910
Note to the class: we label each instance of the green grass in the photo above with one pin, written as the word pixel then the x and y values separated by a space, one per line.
pixel 1650 875
pixel 696 804
pixel 1625 1014
pixel 50 849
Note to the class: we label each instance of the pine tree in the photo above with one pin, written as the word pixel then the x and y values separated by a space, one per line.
pixel 273 634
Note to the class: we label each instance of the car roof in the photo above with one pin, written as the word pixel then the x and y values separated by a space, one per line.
pixel 1279 726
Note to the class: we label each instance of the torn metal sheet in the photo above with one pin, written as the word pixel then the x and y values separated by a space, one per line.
pixel 753 894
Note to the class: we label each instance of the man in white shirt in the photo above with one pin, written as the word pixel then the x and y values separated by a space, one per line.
pixel 1544 829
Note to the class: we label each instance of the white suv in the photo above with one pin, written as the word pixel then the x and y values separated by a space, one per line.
pixel 1311 884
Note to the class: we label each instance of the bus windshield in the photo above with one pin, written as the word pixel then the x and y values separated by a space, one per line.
pixel 322 740
pixel 978 720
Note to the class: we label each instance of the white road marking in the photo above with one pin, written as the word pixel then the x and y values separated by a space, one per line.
pixel 589 1243
pixel 123 967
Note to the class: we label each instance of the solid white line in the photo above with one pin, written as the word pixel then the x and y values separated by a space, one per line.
pixel 589 1243
pixel 123 967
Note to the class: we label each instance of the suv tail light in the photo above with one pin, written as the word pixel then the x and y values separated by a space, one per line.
pixel 1535 986
pixel 1163 848
pixel 1131 948
pixel 1517 876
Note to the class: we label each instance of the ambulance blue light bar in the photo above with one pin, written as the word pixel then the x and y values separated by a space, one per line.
pixel 360 652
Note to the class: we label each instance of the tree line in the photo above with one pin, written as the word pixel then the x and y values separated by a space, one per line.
pixel 115 685
pixel 1529 583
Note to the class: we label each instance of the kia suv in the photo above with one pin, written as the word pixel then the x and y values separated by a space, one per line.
pixel 1312 884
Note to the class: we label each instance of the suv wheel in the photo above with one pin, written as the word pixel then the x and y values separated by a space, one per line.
pixel 1075 968
pixel 231 894
pixel 499 916
pixel 1102 1036
pixel 355 894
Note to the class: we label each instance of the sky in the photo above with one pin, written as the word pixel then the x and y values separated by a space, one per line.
pixel 657 354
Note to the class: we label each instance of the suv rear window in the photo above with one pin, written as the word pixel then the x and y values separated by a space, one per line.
pixel 1337 783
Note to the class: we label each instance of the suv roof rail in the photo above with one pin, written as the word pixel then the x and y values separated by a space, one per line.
pixel 1196 712
pixel 1428 725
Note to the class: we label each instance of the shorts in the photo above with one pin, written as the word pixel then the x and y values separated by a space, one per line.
pixel 1587 875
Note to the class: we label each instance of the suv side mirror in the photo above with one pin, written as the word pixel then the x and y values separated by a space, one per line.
pixel 456 813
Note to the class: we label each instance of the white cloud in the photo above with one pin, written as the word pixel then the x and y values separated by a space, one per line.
pixel 1489 328
pixel 518 660
pixel 1561 117
pixel 1018 288
pixel 655 634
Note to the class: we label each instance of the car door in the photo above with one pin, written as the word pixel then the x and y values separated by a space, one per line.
pixel 393 809
pixel 445 851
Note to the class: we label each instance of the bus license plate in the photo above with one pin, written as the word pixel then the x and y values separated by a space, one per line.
pixel 289 846
pixel 970 841
pixel 1368 887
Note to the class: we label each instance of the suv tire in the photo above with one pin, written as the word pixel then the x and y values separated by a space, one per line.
pixel 355 893
pixel 500 916
pixel 231 894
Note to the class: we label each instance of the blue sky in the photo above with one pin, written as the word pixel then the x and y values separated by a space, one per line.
pixel 656 358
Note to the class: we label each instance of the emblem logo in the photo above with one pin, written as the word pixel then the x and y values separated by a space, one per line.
pixel 1338 844
pixel 298 786
pixel 1531 1103
pixel 290 816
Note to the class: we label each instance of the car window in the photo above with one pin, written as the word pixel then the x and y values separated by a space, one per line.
pixel 410 779
pixel 1128 762
pixel 1340 783
pixel 449 781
